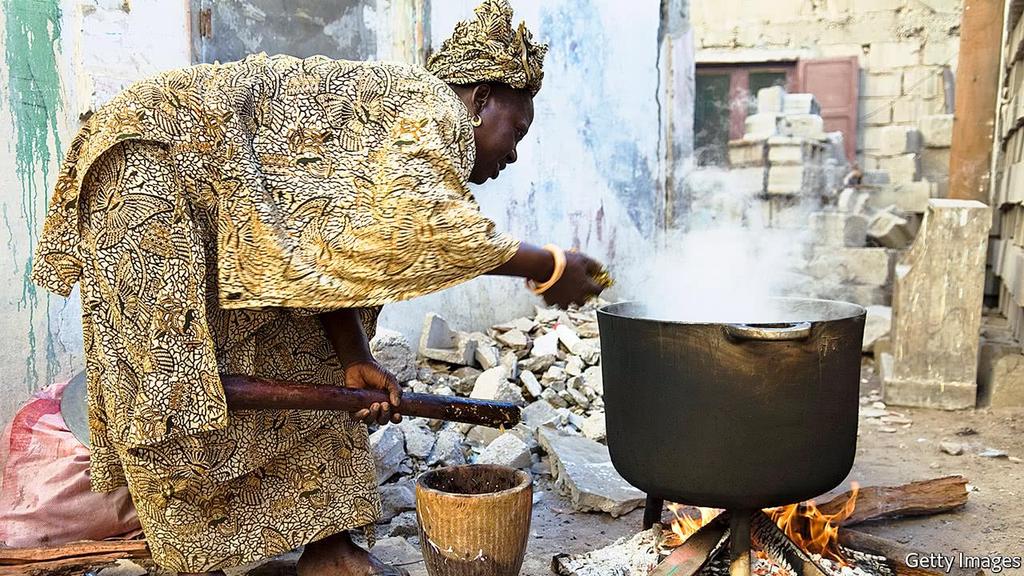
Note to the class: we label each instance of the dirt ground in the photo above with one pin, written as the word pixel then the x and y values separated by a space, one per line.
pixel 991 523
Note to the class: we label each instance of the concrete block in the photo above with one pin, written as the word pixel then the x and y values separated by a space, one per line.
pixel 937 309
pixel 802 125
pixel 910 110
pixel 922 82
pixel 761 126
pixel 871 138
pixel 853 201
pixel 885 85
pixel 771 100
pixel 1001 375
pixel 863 266
pixel 783 212
pixel 746 153
pixel 937 130
pixel 902 168
pixel 888 55
pixel 876 111
pixel 794 180
pixel 800 104
pixel 909 197
pixel 790 150
pixel 935 169
pixel 941 52
pixel 839 229
pixel 898 140
pixel 889 230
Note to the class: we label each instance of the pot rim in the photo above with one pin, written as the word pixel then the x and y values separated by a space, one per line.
pixel 525 481
pixel 852 311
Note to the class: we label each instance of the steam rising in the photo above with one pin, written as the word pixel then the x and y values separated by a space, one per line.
pixel 728 264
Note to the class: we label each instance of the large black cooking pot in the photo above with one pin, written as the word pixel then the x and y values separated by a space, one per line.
pixel 733 415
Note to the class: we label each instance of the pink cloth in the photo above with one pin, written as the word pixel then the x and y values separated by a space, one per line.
pixel 45 498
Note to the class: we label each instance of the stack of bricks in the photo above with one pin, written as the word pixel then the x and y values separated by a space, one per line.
pixel 916 159
pixel 783 150
pixel 1001 369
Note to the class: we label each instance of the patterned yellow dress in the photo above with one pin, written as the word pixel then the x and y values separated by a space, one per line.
pixel 207 215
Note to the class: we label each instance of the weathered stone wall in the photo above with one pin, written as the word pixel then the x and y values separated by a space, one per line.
pixel 907 49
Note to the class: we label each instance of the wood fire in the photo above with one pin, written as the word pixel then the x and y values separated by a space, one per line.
pixel 813 530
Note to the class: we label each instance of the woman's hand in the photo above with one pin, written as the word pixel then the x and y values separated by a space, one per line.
pixel 370 375
pixel 577 284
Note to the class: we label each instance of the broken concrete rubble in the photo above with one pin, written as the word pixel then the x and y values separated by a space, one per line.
pixel 506 450
pixel 439 342
pixel 583 472
pixel 394 353
pixel 388 447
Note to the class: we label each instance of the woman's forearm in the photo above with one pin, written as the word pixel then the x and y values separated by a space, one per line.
pixel 344 329
pixel 531 262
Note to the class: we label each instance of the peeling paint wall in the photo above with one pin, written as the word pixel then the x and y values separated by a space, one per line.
pixel 60 59
pixel 592 171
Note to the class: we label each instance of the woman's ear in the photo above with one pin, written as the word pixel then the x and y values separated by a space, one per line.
pixel 481 96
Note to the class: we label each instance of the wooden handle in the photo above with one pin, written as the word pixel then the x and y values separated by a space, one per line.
pixel 249 393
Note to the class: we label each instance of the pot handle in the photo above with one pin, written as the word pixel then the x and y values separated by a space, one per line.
pixel 773 333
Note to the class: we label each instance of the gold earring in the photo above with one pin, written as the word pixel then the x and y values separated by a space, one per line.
pixel 477 120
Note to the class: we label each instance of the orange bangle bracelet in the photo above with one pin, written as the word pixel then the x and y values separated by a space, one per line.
pixel 556 274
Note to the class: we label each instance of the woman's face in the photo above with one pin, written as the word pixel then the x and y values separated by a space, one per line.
pixel 505 118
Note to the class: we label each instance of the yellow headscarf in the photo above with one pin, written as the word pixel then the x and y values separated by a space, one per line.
pixel 488 49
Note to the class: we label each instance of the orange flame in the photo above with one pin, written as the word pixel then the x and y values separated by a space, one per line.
pixel 684 525
pixel 813 530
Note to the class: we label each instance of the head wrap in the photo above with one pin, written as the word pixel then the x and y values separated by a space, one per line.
pixel 488 49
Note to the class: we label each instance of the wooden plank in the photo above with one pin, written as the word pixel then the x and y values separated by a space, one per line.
pixel 119 548
pixel 977 86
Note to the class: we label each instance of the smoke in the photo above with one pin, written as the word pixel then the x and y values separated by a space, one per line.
pixel 732 258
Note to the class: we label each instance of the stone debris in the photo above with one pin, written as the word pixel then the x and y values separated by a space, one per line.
pixel 584 473
pixel 397 498
pixel 393 352
pixel 506 450
pixel 397 551
pixel 549 363
pixel 448 449
pixel 388 447
pixel 439 342
pixel 993 453
pixel 419 438
pixel 952 448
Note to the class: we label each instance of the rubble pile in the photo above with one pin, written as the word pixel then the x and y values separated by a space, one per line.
pixel 548 364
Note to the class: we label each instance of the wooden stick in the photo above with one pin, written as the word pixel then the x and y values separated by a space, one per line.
pixel 249 393
pixel 85 548
pixel 698 550
pixel 773 541
pixel 914 499
pixel 895 553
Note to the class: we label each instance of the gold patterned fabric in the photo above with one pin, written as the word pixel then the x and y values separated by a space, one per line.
pixel 488 49
pixel 207 215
